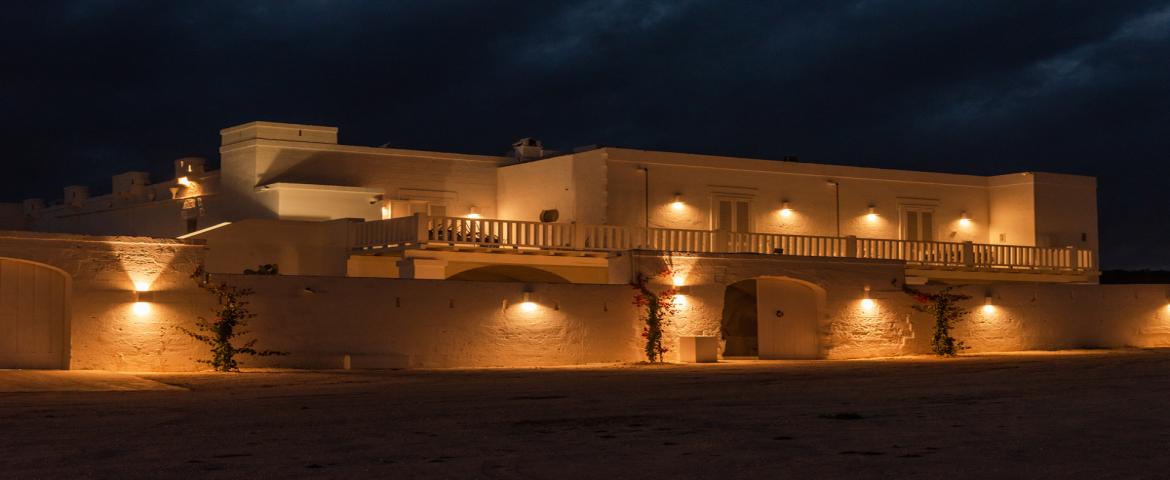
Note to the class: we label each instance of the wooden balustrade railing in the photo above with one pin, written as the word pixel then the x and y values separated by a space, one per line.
pixel 421 229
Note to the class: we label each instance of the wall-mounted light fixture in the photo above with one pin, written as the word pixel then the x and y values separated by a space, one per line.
pixel 785 209
pixel 143 297
pixel 527 304
pixel 988 305
pixel 184 181
pixel 964 219
pixel 473 212
pixel 871 214
pixel 678 203
pixel 866 302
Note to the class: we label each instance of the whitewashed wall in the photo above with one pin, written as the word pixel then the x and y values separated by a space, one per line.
pixel 430 323
pixel 573 184
pixel 456 181
pixel 1023 316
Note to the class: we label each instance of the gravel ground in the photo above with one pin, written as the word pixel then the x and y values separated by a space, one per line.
pixel 1098 414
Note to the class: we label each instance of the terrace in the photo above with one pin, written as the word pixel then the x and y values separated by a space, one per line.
pixel 511 236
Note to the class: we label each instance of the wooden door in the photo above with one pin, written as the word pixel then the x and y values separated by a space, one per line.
pixel 788 319
pixel 33 316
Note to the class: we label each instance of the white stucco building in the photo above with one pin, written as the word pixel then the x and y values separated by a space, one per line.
pixel 436 215
pixel 772 256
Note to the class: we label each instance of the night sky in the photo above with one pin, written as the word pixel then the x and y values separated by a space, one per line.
pixel 93 88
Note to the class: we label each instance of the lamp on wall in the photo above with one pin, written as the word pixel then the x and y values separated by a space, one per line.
pixel 184 181
pixel 872 213
pixel 473 212
pixel 964 219
pixel 988 306
pixel 678 203
pixel 866 302
pixel 142 299
pixel 528 305
pixel 785 209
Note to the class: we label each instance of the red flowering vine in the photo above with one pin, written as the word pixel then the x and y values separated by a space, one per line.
pixel 944 307
pixel 659 307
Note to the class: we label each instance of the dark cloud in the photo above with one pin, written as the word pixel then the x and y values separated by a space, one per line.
pixel 94 87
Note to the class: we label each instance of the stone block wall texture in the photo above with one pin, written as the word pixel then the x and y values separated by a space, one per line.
pixel 104 273
pixel 1023 316
pixel 435 323
pixel 429 323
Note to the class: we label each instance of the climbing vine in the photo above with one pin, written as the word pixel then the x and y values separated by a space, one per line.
pixel 656 308
pixel 944 307
pixel 231 315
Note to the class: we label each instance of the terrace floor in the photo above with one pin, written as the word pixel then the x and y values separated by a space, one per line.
pixel 1037 415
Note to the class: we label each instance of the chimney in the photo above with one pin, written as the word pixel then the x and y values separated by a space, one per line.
pixel 528 149
pixel 76 195
pixel 189 167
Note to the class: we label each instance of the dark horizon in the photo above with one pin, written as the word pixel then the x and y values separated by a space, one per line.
pixel 95 88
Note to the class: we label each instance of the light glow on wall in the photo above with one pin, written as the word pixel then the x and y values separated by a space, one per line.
pixel 474 213
pixel 785 210
pixel 965 220
pixel 867 304
pixel 988 307
pixel 678 204
pixel 679 300
pixel 872 216
pixel 679 280
pixel 184 181
pixel 141 286
pixel 528 306
pixel 141 308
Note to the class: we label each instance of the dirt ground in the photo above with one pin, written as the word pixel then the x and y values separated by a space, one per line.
pixel 1099 414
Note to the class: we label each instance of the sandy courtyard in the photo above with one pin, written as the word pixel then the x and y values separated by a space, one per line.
pixel 1084 415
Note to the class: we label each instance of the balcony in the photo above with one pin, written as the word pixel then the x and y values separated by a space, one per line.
pixel 421 231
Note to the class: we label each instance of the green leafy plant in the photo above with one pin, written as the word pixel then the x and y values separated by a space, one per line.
pixel 231 316
pixel 659 307
pixel 944 307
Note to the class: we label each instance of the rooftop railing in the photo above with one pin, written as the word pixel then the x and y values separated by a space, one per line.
pixel 422 230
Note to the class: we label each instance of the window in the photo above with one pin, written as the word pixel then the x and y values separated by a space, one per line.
pixel 733 215
pixel 918 224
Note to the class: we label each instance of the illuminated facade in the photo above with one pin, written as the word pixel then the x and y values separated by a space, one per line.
pixel 775 259
pixel 434 214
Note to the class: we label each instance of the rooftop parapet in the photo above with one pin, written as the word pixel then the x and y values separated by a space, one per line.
pixel 278 131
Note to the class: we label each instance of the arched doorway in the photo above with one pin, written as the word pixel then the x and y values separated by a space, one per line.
pixel 739 326
pixel 34 315
pixel 789 318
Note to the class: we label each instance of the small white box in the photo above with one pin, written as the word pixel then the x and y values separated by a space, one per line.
pixel 697 349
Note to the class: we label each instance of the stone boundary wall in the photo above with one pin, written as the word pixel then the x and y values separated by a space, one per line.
pixel 104 272
pixel 1022 316
pixel 432 323
pixel 435 323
